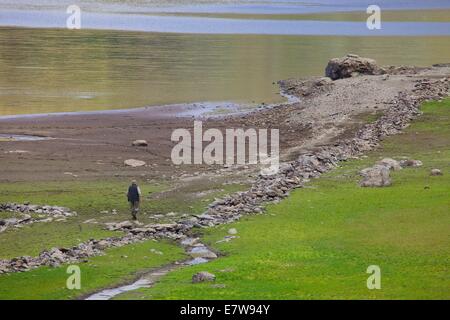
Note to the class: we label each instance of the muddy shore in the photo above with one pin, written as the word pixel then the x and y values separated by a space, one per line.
pixel 86 146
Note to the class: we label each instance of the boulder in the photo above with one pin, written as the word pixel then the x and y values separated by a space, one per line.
pixel 391 164
pixel 377 176
pixel 350 65
pixel 189 241
pixel 232 231
pixel 436 172
pixel 102 245
pixel 203 276
pixel 411 163
pixel 134 163
pixel 139 143
pixel 196 261
pixel 202 252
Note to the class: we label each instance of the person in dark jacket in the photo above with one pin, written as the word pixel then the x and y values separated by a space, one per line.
pixel 134 197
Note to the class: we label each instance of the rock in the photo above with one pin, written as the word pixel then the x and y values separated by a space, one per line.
pixel 10 221
pixel 102 245
pixel 232 231
pixel 113 226
pixel 411 163
pixel 189 242
pixel 377 176
pixel 203 276
pixel 134 163
pixel 346 67
pixel 57 256
pixel 391 164
pixel 436 172
pixel 140 143
pixel 323 81
pixel 202 252
pixel 142 230
pixel 196 261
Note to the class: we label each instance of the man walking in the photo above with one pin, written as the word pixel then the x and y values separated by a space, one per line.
pixel 134 196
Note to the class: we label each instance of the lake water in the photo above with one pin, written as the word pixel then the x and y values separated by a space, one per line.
pixel 187 59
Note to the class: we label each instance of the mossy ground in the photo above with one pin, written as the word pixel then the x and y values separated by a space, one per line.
pixel 318 243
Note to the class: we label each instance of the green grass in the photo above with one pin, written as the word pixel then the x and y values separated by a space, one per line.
pixel 118 265
pixel 89 199
pixel 318 243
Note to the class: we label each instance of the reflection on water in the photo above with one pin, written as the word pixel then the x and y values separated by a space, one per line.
pixel 224 6
pixel 43 70
pixel 210 25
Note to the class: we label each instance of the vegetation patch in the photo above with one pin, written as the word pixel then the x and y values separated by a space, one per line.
pixel 117 266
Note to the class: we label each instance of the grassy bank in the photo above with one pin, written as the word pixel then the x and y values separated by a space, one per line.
pixel 318 243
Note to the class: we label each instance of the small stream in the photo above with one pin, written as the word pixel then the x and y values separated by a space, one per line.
pixel 199 252
pixel 21 137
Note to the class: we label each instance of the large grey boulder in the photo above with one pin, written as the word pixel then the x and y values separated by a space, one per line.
pixel 376 176
pixel 351 65
pixel 202 252
pixel 411 163
pixel 391 164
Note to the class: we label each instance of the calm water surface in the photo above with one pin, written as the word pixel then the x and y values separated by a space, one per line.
pixel 56 70
pixel 61 70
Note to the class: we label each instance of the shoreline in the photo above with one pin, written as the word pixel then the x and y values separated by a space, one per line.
pixel 206 109
pixel 93 145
